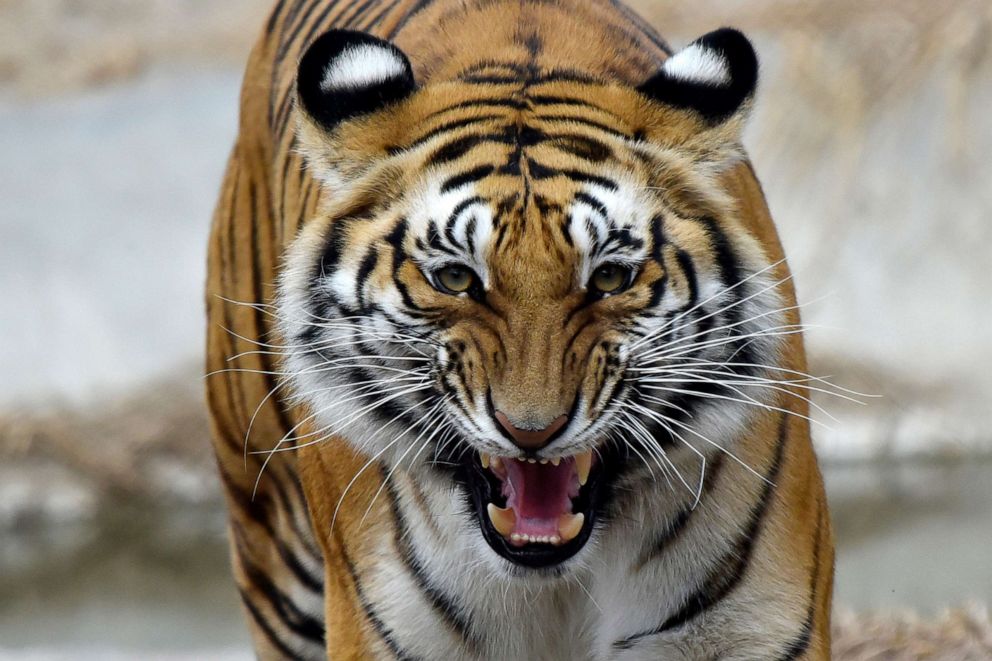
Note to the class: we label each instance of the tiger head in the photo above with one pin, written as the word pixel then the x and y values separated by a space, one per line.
pixel 524 280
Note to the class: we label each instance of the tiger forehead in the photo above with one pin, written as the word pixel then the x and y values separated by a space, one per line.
pixel 521 112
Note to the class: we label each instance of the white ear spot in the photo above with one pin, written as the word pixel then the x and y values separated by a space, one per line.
pixel 361 66
pixel 698 64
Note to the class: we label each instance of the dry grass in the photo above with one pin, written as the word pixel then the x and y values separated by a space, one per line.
pixel 956 635
pixel 152 444
pixel 56 46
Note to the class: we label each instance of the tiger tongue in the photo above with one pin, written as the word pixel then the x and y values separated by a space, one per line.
pixel 539 494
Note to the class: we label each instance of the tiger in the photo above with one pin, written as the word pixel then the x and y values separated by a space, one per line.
pixel 505 356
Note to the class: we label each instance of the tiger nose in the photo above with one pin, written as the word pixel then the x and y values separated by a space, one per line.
pixel 530 439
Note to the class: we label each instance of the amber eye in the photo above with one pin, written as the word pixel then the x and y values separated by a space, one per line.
pixel 455 278
pixel 610 278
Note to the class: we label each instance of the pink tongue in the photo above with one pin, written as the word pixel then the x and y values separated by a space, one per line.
pixel 539 494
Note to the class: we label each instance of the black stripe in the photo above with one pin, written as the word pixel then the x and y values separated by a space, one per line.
pixel 447 127
pixel 581 146
pixel 383 631
pixel 691 279
pixel 289 39
pixel 730 271
pixel 473 175
pixel 595 203
pixel 678 524
pixel 274 17
pixel 488 102
pixel 416 9
pixel 801 642
pixel 314 583
pixel 554 100
pixel 300 623
pixel 259 313
pixel 266 629
pixel 540 171
pixel 376 18
pixel 646 29
pixel 305 537
pixel 612 130
pixel 395 239
pixel 365 269
pixel 259 509
pixel 461 146
pixel 440 602
pixel 462 206
pixel 731 568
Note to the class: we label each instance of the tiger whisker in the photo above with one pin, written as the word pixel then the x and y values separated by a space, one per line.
pixel 774 368
pixel 747 401
pixel 771 385
pixel 663 421
pixel 429 418
pixel 652 336
pixel 339 426
pixel 666 353
pixel 663 454
pixel 719 447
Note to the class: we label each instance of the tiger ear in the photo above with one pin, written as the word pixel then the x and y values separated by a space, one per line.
pixel 714 76
pixel 346 74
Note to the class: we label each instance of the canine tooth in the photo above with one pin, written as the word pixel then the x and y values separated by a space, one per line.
pixel 496 462
pixel 503 519
pixel 556 461
pixel 569 525
pixel 485 459
pixel 583 463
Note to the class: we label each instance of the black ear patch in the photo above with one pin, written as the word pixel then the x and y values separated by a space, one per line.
pixel 345 74
pixel 713 75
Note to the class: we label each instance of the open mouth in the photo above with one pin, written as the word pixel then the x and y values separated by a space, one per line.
pixel 536 513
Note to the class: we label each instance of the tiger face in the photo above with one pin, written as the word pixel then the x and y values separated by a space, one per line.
pixel 526 284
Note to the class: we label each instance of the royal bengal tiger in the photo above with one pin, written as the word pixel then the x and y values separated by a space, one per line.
pixel 506 360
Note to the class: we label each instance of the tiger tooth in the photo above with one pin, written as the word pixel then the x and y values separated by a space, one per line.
pixel 496 462
pixel 485 459
pixel 569 526
pixel 556 461
pixel 583 463
pixel 503 520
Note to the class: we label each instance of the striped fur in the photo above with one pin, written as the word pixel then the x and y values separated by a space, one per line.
pixel 533 151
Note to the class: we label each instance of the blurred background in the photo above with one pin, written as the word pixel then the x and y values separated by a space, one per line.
pixel 871 136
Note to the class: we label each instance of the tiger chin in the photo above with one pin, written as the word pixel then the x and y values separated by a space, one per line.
pixel 507 357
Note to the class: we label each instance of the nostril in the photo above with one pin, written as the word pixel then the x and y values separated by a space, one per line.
pixel 531 439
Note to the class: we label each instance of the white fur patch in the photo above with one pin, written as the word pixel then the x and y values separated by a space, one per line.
pixel 698 64
pixel 361 66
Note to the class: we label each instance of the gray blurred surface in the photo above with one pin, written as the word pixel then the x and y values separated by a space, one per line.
pixel 105 204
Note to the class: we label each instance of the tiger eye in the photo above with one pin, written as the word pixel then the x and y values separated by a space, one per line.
pixel 455 279
pixel 609 278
